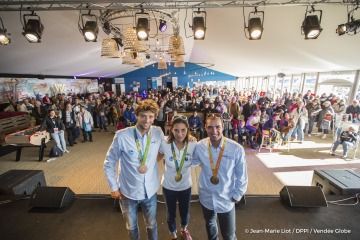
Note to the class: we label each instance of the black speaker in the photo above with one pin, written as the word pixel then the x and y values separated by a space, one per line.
pixel 303 196
pixel 51 197
pixel 21 182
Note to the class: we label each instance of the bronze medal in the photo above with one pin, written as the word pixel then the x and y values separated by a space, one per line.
pixel 214 180
pixel 142 169
pixel 178 177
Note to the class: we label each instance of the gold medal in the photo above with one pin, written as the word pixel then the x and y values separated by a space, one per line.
pixel 178 177
pixel 214 180
pixel 142 169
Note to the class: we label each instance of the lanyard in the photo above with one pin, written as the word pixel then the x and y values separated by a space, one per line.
pixel 178 169
pixel 216 169
pixel 142 157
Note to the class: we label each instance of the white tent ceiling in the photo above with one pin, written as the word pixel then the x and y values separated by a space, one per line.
pixel 282 48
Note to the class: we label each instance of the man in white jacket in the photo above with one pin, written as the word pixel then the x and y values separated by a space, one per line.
pixel 86 123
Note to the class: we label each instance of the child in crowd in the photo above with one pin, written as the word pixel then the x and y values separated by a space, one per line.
pixel 242 133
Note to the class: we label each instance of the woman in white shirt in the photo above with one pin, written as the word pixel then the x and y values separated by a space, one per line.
pixel 176 181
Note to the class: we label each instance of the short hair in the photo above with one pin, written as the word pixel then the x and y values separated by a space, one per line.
pixel 147 105
pixel 212 116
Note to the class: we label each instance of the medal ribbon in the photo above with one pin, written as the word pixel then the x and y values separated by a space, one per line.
pixel 178 169
pixel 216 169
pixel 142 157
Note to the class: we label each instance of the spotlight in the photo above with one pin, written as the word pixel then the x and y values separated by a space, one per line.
pixel 162 25
pixel 142 26
pixel 4 38
pixel 255 25
pixel 90 29
pixel 33 28
pixel 311 25
pixel 199 25
pixel 348 27
pixel 142 29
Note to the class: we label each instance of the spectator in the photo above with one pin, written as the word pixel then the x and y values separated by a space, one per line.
pixel 354 110
pixel 347 139
pixel 129 116
pixel 325 118
pixel 55 127
pixel 86 124
pixel 287 126
pixel 196 124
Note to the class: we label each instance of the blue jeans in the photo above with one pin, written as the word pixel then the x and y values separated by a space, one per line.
pixel 129 209
pixel 345 145
pixel 171 197
pixel 226 221
pixel 311 124
pixel 59 139
pixel 299 131
pixel 285 137
pixel 101 122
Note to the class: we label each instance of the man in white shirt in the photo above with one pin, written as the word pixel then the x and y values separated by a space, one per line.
pixel 135 150
pixel 223 179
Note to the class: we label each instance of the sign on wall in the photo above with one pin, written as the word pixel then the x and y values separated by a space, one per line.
pixel 21 88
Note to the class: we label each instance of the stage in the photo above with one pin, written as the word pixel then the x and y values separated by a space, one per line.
pixel 96 217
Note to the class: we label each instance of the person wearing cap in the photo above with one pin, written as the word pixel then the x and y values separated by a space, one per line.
pixel 325 118
pixel 347 139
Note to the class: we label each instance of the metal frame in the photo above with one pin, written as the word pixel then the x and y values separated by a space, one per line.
pixel 61 5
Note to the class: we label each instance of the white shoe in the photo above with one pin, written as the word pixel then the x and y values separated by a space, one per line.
pixel 66 151
pixel 344 157
pixel 323 136
pixel 309 135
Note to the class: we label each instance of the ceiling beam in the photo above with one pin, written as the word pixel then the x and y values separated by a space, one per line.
pixel 77 5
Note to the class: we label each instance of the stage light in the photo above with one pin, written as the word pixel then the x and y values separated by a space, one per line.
pixel 255 28
pixel 255 25
pixel 4 36
pixel 311 25
pixel 142 25
pixel 199 25
pixel 33 28
pixel 348 27
pixel 90 29
pixel 142 29
pixel 162 25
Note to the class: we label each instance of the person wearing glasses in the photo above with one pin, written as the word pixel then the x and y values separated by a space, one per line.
pixel 176 181
pixel 134 150
pixel 223 179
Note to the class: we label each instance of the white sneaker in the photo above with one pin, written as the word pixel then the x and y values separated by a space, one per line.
pixel 309 135
pixel 66 151
pixel 323 136
pixel 344 157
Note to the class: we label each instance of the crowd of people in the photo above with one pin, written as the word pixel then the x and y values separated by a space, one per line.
pixel 227 122
pixel 245 113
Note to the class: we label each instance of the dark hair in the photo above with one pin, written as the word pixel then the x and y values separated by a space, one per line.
pixel 171 136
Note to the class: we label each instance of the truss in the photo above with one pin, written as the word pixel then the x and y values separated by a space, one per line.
pixel 55 5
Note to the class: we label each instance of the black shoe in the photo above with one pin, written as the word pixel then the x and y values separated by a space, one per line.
pixel 74 142
pixel 90 140
pixel 71 145
pixel 84 141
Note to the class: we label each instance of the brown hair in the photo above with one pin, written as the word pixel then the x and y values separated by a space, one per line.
pixel 147 105
pixel 171 136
